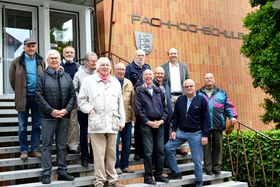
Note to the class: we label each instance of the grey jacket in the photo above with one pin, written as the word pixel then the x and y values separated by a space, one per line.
pixel 184 73
pixel 54 91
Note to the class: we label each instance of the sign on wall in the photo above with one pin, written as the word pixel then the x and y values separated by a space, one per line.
pixel 144 41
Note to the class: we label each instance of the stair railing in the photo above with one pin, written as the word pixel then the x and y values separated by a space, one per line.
pixel 257 147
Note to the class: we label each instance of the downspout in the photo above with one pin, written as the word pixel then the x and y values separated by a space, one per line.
pixel 110 33
pixel 96 29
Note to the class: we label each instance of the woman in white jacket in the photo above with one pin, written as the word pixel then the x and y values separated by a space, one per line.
pixel 100 96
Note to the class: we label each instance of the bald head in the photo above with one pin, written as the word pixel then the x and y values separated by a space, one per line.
pixel 209 80
pixel 159 74
pixel 139 57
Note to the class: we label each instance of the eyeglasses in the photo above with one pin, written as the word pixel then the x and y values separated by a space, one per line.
pixel 189 86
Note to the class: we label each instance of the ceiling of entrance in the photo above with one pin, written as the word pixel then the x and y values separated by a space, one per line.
pixel 79 2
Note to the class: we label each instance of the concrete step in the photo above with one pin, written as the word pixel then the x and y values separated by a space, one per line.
pixel 8 112
pixel 230 184
pixel 29 173
pixel 8 97
pixel 187 179
pixel 11 120
pixel 7 104
pixel 12 128
pixel 31 160
pixel 10 139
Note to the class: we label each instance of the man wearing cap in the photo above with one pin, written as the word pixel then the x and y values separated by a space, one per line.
pixel 23 75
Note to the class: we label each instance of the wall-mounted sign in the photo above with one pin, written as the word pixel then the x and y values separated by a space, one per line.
pixel 144 41
pixel 187 27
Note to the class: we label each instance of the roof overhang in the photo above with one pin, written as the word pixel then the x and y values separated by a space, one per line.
pixel 79 2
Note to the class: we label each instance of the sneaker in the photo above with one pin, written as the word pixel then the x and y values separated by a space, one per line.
pixel 161 178
pixel 46 179
pixel 136 157
pixel 115 184
pixel 149 180
pixel 119 171
pixel 36 154
pixel 24 156
pixel 84 163
pixel 65 177
pixel 174 176
pixel 127 170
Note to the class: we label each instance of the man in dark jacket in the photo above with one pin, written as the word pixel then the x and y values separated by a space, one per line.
pixel 190 123
pixel 55 94
pixel 24 72
pixel 134 72
pixel 151 110
pixel 220 107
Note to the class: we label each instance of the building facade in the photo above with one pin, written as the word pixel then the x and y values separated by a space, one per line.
pixel 207 34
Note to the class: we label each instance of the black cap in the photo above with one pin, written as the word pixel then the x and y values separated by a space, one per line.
pixel 29 41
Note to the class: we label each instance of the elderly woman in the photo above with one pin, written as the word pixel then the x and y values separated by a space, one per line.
pixel 100 96
pixel 55 94
pixel 90 66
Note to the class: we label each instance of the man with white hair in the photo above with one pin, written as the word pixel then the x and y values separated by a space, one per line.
pixel 134 73
pixel 55 94
pixel 100 96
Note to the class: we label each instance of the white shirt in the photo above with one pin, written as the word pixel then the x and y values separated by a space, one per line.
pixel 175 82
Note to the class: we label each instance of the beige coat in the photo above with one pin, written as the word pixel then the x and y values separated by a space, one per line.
pixel 128 99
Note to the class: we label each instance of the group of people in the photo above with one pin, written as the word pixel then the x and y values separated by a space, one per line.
pixel 164 106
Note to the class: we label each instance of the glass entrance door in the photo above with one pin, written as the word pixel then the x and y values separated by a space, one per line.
pixel 18 23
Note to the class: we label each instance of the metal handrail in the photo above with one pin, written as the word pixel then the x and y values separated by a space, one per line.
pixel 110 54
pixel 251 179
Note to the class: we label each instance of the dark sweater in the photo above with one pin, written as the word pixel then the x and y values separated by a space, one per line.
pixel 197 117
pixel 70 68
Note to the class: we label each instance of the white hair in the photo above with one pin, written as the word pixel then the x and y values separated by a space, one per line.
pixel 53 52
pixel 102 60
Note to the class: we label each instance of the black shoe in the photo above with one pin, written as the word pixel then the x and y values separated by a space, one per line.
pixel 73 151
pixel 84 163
pixel 216 172
pixel 149 180
pixel 209 172
pixel 65 177
pixel 174 176
pixel 161 178
pixel 46 179
pixel 136 157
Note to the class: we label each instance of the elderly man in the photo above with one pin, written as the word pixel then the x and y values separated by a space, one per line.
pixel 24 72
pixel 89 68
pixel 100 96
pixel 125 133
pixel 190 123
pixel 55 94
pixel 175 74
pixel 151 110
pixel 71 67
pixel 158 81
pixel 134 73
pixel 220 107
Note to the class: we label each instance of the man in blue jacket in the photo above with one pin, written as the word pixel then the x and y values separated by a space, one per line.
pixel 220 107
pixel 191 123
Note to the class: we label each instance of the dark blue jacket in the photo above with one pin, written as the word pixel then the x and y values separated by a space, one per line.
pixel 150 107
pixel 197 117
pixel 134 73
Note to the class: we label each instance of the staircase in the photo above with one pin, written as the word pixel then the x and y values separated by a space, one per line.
pixel 15 172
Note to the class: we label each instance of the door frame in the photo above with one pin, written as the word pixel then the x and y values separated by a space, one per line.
pixel 12 6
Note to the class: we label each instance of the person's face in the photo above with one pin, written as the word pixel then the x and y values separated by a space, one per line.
pixel 209 80
pixel 140 57
pixel 54 61
pixel 173 55
pixel 189 88
pixel 69 54
pixel 91 63
pixel 104 69
pixel 159 75
pixel 148 77
pixel 120 71
pixel 30 49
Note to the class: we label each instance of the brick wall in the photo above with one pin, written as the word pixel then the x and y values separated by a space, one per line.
pixel 200 49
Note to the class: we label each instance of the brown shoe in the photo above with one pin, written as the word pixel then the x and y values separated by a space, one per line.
pixel 127 170
pixel 36 154
pixel 115 184
pixel 23 156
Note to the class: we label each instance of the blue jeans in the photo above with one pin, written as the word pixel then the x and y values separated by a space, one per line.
pixel 125 134
pixel 194 140
pixel 36 126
